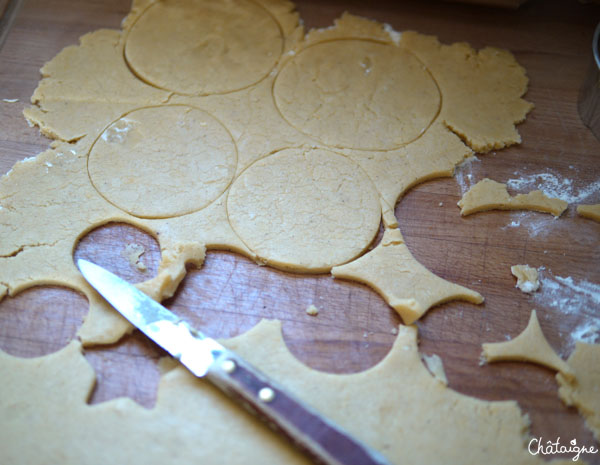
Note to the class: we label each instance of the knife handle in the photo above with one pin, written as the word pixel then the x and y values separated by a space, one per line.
pixel 325 442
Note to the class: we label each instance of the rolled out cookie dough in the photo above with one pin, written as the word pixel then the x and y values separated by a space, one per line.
pixel 584 391
pixel 589 211
pixel 89 91
pixel 527 278
pixel 529 346
pixel 400 405
pixel 492 195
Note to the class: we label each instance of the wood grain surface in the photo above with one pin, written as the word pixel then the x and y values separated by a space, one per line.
pixel 353 331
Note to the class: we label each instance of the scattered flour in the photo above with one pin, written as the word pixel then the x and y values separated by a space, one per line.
pixel 394 35
pixel 535 224
pixel 463 174
pixel 554 185
pixel 577 300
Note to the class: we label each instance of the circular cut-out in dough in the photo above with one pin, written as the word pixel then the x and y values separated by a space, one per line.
pixel 304 209
pixel 358 94
pixel 203 47
pixel 160 162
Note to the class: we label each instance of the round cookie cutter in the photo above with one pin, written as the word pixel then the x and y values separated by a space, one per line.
pixel 589 96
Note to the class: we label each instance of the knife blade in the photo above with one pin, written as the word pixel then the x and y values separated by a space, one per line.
pixel 312 433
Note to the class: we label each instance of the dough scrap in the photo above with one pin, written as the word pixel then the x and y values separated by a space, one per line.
pixel 406 285
pixel 394 422
pixel 589 211
pixel 492 195
pixel 527 278
pixel 584 391
pixel 304 210
pixel 133 253
pixel 88 87
pixel 312 310
pixel 529 346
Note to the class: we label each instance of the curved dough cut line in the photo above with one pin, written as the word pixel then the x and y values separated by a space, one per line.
pixel 529 346
pixel 101 133
pixel 306 47
pixel 130 23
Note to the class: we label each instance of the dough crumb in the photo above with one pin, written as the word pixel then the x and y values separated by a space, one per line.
pixel 10 100
pixel 133 252
pixel 491 195
pixel 394 331
pixel 435 366
pixel 527 278
pixel 312 310
pixel 589 211
pixel 441 204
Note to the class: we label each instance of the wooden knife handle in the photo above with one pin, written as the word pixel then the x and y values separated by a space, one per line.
pixel 325 442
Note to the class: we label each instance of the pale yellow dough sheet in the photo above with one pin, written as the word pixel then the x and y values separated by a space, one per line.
pixel 589 211
pixel 404 413
pixel 201 163
pixel 584 391
pixel 224 126
pixel 529 346
pixel 527 278
pixel 491 195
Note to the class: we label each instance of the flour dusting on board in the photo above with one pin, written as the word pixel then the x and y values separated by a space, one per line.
pixel 463 174
pixel 554 185
pixel 577 300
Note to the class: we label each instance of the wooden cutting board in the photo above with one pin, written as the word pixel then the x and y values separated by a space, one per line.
pixel 353 330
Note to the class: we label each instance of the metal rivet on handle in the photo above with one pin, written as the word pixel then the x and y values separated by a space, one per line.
pixel 266 394
pixel 228 366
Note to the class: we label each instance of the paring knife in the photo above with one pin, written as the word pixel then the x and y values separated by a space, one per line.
pixel 317 436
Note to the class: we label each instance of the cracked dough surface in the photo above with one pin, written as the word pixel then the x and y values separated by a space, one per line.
pixel 304 209
pixel 399 421
pixel 141 161
pixel 357 94
pixel 491 195
pixel 200 47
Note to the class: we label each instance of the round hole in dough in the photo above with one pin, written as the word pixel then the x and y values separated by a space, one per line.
pixel 305 209
pixel 203 47
pixel 357 94
pixel 161 162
